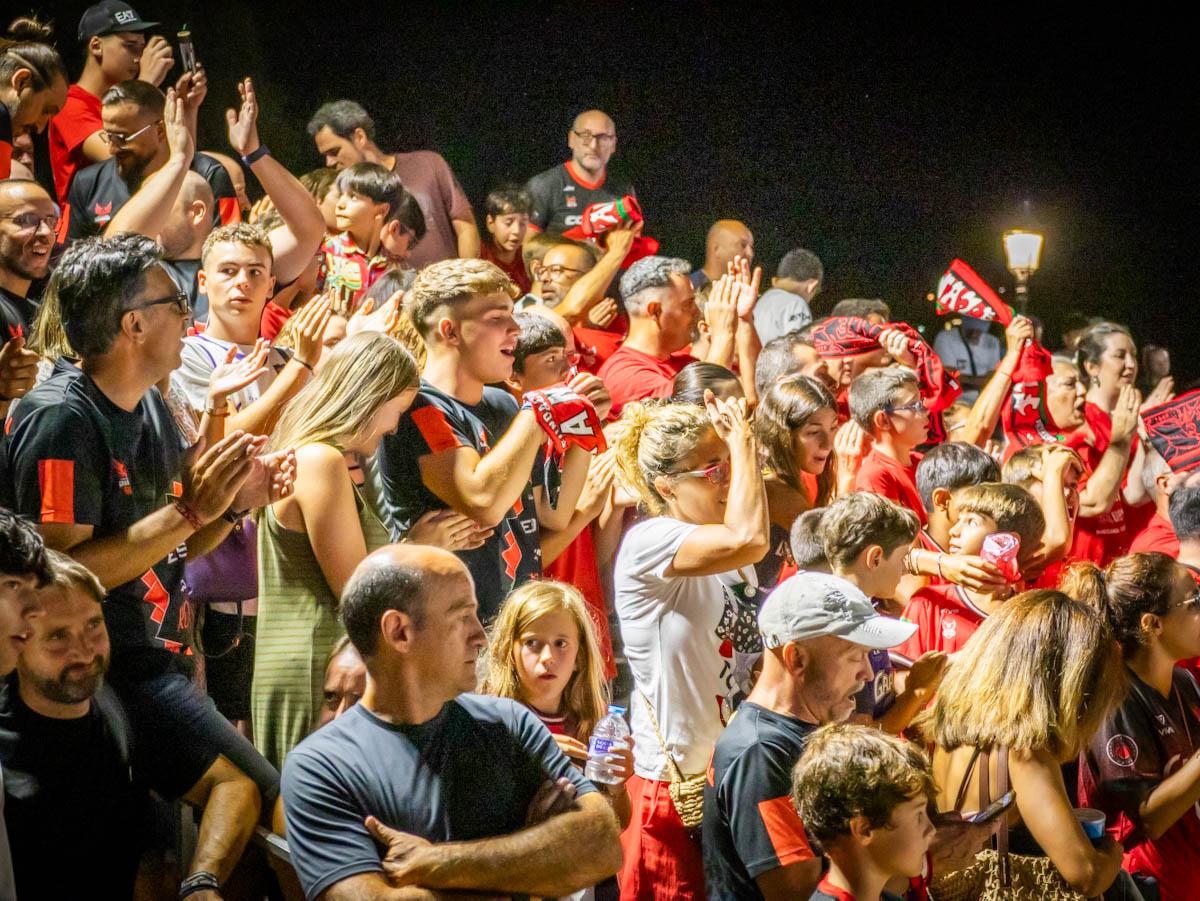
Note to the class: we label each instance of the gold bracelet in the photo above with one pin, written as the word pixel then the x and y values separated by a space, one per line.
pixel 217 414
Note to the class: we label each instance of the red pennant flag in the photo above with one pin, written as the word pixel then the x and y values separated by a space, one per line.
pixel 963 292
pixel 599 218
pixel 1174 429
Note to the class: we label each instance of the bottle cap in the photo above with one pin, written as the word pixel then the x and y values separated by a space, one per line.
pixel 613 708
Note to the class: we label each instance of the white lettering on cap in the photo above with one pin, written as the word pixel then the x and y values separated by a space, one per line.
pixel 124 16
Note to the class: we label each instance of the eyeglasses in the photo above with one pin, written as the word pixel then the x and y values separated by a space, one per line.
pixel 116 139
pixel 717 474
pixel 588 137
pixel 30 222
pixel 917 406
pixel 182 305
pixel 557 271
pixel 1192 601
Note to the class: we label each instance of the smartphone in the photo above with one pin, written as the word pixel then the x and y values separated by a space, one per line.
pixel 993 810
pixel 187 52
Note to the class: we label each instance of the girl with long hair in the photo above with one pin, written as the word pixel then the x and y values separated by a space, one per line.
pixel 544 652
pixel 794 424
pixel 1024 696
pixel 310 543
pixel 1142 768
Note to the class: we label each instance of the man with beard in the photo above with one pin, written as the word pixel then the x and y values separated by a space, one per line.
pixel 28 218
pixel 70 759
pixel 133 115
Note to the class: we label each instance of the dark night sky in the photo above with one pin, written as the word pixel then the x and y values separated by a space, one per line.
pixel 888 141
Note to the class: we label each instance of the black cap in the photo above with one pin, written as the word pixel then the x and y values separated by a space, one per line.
pixel 110 17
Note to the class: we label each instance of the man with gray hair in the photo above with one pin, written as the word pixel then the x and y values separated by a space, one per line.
pixel 345 134
pixel 785 307
pixel 663 318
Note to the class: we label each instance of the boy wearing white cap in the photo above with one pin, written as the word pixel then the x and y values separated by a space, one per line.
pixel 817 631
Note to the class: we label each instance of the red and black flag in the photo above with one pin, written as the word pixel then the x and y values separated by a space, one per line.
pixel 1174 429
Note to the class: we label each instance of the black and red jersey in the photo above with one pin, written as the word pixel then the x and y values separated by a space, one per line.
pixel 75 457
pixel 438 422
pixel 16 316
pixel 561 194
pixel 1148 738
pixel 97 192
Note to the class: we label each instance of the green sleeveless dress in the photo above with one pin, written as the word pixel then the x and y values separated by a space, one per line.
pixel 297 628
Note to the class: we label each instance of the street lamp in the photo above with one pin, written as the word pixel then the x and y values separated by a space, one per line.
pixel 1023 252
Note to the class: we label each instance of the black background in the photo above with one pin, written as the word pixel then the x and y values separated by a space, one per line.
pixel 888 140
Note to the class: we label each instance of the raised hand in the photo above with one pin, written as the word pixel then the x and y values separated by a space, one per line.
pixel 720 310
pixel 311 321
pixel 1125 414
pixel 597 487
pixel 193 88
pixel 156 62
pixel 243 124
pixel 971 572
pixel 603 313
pixel 728 417
pixel 1161 393
pixel 18 369
pixel 179 136
pixel 895 342
pixel 1018 332
pixel 745 285
pixel 367 319
pixel 620 240
pixel 232 374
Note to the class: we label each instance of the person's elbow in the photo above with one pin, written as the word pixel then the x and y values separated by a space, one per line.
pixel 1089 874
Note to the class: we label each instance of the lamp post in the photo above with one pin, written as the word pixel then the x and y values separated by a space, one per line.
pixel 1023 253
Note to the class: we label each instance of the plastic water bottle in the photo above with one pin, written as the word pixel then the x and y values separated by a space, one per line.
pixel 609 733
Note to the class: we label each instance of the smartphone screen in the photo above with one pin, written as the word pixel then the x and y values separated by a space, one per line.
pixel 993 810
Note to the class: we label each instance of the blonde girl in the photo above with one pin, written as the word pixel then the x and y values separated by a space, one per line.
pixel 544 653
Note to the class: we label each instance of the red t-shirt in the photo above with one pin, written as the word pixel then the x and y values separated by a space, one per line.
pixel 595 346
pixel 1106 534
pixel 880 474
pixel 632 375
pixel 1157 536
pixel 577 566
pixel 77 121
pixel 945 618
pixel 514 270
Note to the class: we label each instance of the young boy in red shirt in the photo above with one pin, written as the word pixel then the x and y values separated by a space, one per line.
pixel 947 615
pixel 506 219
pixel 864 797
pixel 887 404
pixel 1051 473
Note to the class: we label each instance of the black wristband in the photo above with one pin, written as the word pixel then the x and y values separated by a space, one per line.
pixel 199 882
pixel 257 154
pixel 234 516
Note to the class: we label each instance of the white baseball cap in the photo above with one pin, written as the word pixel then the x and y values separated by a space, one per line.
pixel 812 604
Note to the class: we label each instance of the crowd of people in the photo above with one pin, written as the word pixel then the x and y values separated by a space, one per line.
pixel 330 510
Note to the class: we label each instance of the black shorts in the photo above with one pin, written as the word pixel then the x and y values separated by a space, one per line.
pixel 178 733
pixel 229 669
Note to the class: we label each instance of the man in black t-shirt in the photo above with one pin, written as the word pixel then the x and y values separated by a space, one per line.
pixel 133 114
pixel 71 760
pixel 96 460
pixel 470 447
pixel 562 193
pixel 433 764
pixel 817 630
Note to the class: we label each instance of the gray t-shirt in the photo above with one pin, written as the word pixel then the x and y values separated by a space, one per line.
pixel 779 312
pixel 469 773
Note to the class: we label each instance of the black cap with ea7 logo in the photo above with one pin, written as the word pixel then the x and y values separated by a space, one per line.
pixel 110 17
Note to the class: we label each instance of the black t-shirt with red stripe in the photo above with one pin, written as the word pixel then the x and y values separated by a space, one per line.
pixel 562 193
pixel 750 825
pixel 75 457
pixel 97 192
pixel 438 422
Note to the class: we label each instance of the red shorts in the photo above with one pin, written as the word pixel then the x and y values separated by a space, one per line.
pixel 662 859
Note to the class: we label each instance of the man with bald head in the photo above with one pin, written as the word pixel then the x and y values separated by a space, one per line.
pixel 726 239
pixel 465 792
pixel 562 193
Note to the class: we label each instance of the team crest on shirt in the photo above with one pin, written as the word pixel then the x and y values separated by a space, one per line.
pixel 572 201
pixel 103 212
pixel 122 473
pixel 949 628
pixel 1122 750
